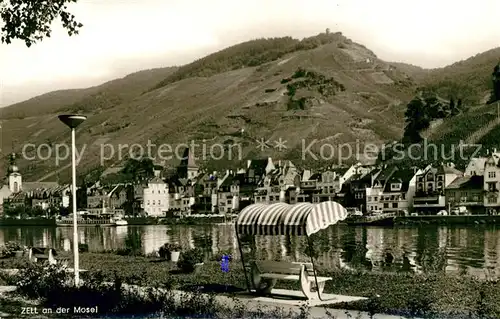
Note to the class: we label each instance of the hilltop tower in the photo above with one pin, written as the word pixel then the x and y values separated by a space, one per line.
pixel 15 178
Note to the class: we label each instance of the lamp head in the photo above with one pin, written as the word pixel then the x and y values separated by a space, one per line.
pixel 72 120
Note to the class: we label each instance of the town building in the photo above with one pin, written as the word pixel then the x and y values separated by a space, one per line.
pixel 156 201
pixel 466 191
pixel 399 190
pixel 430 188
pixel 228 194
pixel 492 183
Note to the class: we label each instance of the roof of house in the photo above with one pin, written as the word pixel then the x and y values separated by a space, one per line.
pixel 258 164
pixel 386 173
pixel 118 189
pixel 402 176
pixel 315 177
pixel 230 180
pixel 451 170
pixel 156 180
pixel 28 186
pixel 445 169
pixel 467 182
pixel 19 196
pixel 340 170
pixel 477 162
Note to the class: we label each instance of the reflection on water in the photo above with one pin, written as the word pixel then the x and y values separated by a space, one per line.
pixel 418 249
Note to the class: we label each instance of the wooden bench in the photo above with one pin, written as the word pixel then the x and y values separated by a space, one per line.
pixel 44 254
pixel 265 274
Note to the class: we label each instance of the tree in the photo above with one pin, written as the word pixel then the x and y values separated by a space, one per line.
pixel 453 107
pixel 417 119
pixel 496 83
pixel 31 20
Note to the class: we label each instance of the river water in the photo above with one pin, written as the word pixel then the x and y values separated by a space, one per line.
pixel 471 249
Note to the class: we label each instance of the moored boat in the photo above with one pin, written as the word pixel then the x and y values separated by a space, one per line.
pixel 86 219
pixel 121 222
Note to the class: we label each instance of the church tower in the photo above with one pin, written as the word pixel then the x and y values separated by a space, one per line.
pixel 15 178
pixel 188 168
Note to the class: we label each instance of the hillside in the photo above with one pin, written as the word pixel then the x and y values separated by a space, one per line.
pixel 469 79
pixel 106 95
pixel 324 88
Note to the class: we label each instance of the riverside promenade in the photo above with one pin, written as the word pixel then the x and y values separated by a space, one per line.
pixel 252 302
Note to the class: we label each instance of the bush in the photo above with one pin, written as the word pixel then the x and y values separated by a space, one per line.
pixel 166 250
pixel 37 281
pixel 83 248
pixel 189 259
pixel 9 249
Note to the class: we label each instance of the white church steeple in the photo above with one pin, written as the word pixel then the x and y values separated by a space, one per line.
pixel 15 178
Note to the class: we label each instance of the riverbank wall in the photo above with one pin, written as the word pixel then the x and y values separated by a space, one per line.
pixel 138 221
pixel 402 220
pixel 133 221
pixel 448 220
pixel 27 222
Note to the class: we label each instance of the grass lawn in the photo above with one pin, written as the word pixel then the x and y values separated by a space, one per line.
pixel 397 293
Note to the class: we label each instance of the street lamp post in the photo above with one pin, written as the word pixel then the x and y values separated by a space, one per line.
pixel 72 121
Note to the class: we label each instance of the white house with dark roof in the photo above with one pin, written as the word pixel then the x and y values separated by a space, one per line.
pixel 398 191
pixel 475 166
pixel 156 197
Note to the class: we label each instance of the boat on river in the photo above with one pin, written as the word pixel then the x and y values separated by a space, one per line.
pixel 85 218
pixel 384 219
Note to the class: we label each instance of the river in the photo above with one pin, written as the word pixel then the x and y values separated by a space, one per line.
pixel 472 249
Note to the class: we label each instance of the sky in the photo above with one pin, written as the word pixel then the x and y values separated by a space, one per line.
pixel 123 36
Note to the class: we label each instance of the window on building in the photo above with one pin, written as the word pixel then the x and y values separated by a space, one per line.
pixel 492 186
pixel 394 205
pixel 492 200
pixel 440 178
pixel 386 205
pixel 149 202
pixel 159 202
pixel 492 174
